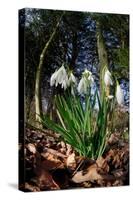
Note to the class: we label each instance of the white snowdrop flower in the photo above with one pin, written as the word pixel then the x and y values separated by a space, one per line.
pixel 85 81
pixel 91 79
pixel 62 74
pixel 110 97
pixel 53 78
pixel 82 86
pixel 59 77
pixel 64 83
pixel 107 78
pixel 72 79
pixel 119 95
pixel 86 73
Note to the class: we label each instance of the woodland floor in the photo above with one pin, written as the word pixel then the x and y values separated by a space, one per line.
pixel 51 164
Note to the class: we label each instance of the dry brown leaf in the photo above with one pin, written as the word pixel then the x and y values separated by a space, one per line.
pixel 31 148
pixel 51 162
pixel 63 145
pixel 31 188
pixel 118 182
pixel 118 173
pixel 102 163
pixel 114 138
pixel 69 149
pixel 45 181
pixel 54 152
pixel 90 175
pixel 71 161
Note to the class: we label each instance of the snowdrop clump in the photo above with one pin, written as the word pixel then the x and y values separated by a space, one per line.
pixel 61 77
pixel 76 114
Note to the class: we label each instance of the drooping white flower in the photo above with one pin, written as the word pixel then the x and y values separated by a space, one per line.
pixel 59 77
pixel 62 74
pixel 85 82
pixel 119 95
pixel 91 79
pixel 82 86
pixel 72 79
pixel 64 83
pixel 110 96
pixel 53 78
pixel 86 73
pixel 107 78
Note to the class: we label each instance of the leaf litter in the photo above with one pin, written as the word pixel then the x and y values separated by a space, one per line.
pixel 51 164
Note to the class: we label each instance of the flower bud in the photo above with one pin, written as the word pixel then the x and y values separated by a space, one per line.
pixel 119 95
pixel 107 78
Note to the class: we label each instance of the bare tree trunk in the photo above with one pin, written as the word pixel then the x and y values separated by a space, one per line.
pixel 102 53
pixel 74 51
pixel 38 104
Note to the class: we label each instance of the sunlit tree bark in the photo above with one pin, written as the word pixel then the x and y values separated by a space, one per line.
pixel 38 105
pixel 102 53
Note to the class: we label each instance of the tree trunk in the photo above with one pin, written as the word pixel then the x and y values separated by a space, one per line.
pixel 38 104
pixel 74 51
pixel 102 53
pixel 28 100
